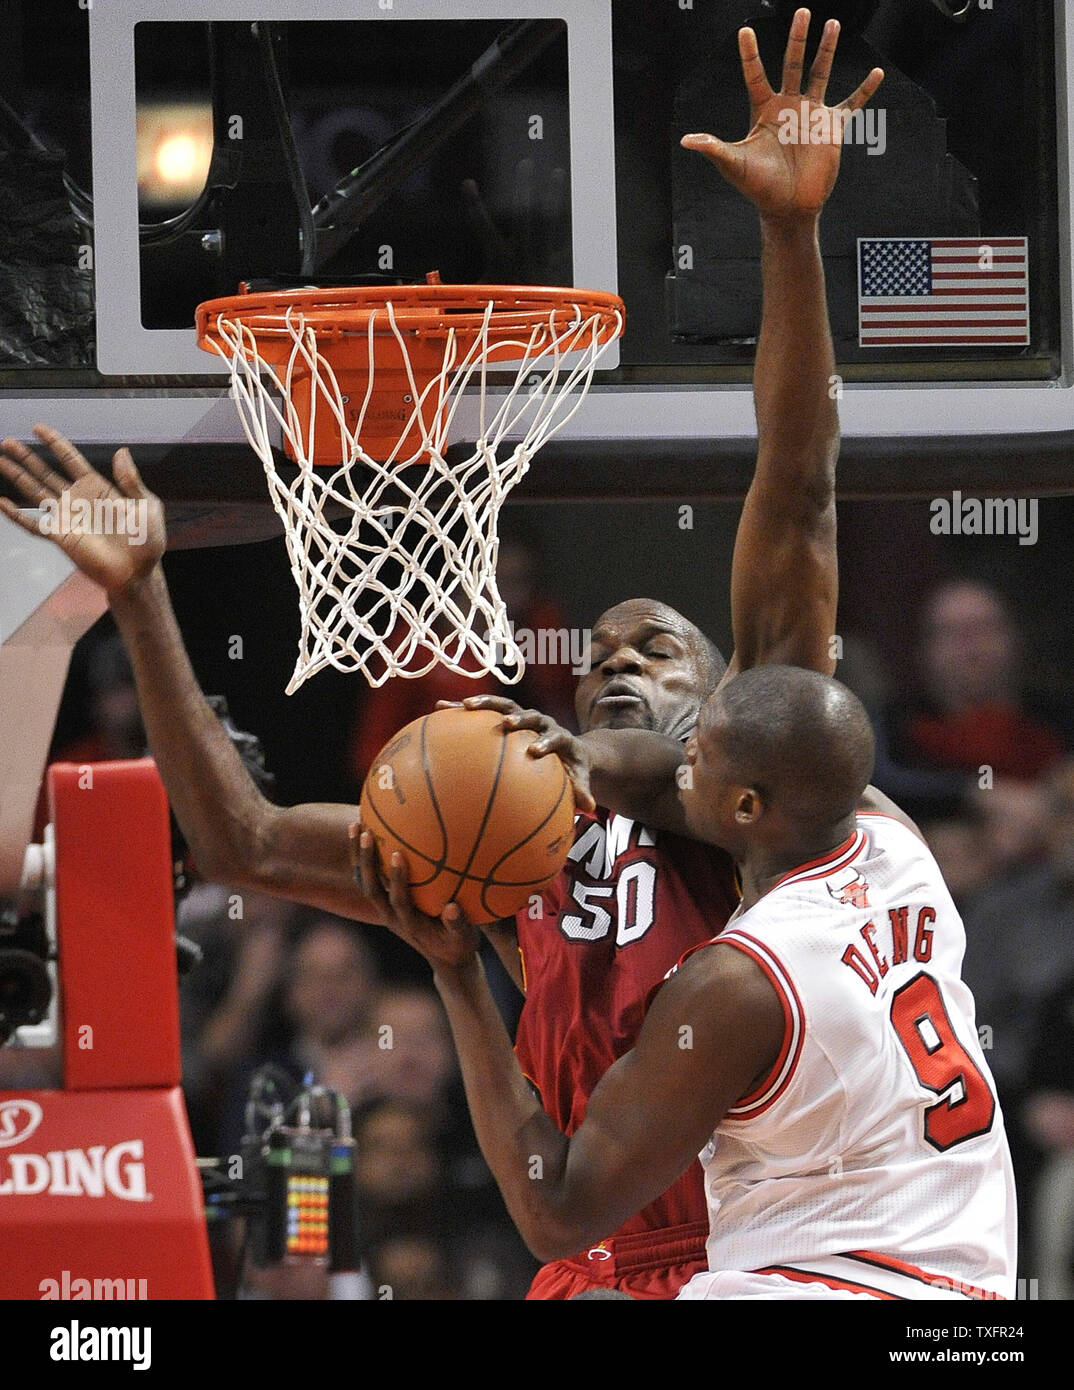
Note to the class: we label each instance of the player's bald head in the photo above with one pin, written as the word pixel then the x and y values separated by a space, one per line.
pixel 802 740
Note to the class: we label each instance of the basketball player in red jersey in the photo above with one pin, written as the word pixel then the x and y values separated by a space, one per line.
pixel 653 670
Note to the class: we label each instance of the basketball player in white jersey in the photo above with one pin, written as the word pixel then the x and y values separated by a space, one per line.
pixel 821 1054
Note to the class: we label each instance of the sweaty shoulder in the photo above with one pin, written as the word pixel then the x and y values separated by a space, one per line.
pixel 731 1008
pixel 729 978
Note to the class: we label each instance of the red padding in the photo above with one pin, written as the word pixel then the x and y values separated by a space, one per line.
pixel 100 1198
pixel 116 925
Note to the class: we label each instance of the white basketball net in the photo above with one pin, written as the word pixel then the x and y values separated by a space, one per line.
pixel 410 581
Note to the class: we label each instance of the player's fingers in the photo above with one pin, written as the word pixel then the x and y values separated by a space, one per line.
pixel 367 873
pixel 529 719
pixel 794 57
pixel 822 63
pixel 499 704
pixel 74 465
pixel 362 857
pixel 24 457
pixel 563 743
pixel 10 509
pixel 456 920
pixel 450 704
pixel 126 474
pixel 31 488
pixel 553 740
pixel 727 158
pixel 402 903
pixel 757 83
pixel 858 98
pixel 578 775
pixel 464 935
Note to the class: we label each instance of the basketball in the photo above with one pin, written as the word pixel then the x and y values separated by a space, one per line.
pixel 479 821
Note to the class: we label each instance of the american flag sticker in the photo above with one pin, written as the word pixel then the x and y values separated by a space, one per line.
pixel 944 291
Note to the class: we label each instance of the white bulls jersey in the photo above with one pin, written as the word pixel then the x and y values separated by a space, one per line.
pixel 873 1158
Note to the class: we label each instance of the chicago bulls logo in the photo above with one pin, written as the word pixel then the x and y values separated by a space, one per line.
pixel 848 886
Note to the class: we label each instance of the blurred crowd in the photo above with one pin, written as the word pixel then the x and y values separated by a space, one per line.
pixel 303 991
pixel 983 764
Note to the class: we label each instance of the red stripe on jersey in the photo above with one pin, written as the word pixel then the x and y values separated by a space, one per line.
pixel 956 1285
pixel 782 1070
pixel 805 1276
pixel 828 863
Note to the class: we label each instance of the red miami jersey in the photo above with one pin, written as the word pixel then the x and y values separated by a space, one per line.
pixel 627 904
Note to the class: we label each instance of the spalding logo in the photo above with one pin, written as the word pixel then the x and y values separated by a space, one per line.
pixel 18 1120
pixel 118 1171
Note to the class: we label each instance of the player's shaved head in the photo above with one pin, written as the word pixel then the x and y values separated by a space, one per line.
pixel 802 740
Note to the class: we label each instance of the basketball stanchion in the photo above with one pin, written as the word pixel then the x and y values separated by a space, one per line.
pixel 99 1189
pixel 364 388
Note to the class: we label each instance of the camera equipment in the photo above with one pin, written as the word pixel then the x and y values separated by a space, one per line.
pixel 25 986
pixel 294 1183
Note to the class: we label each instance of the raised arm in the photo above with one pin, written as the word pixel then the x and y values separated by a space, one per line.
pixel 235 834
pixel 784 577
pixel 634 771
pixel 784 574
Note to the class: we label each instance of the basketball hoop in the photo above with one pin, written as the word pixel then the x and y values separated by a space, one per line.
pixel 364 386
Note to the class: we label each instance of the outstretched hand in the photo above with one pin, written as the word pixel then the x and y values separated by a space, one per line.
pixel 788 163
pixel 113 533
pixel 446 944
pixel 551 738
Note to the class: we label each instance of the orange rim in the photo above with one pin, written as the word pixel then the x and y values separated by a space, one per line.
pixel 421 311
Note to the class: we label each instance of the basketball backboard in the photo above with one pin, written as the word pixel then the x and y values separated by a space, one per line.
pixel 532 141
